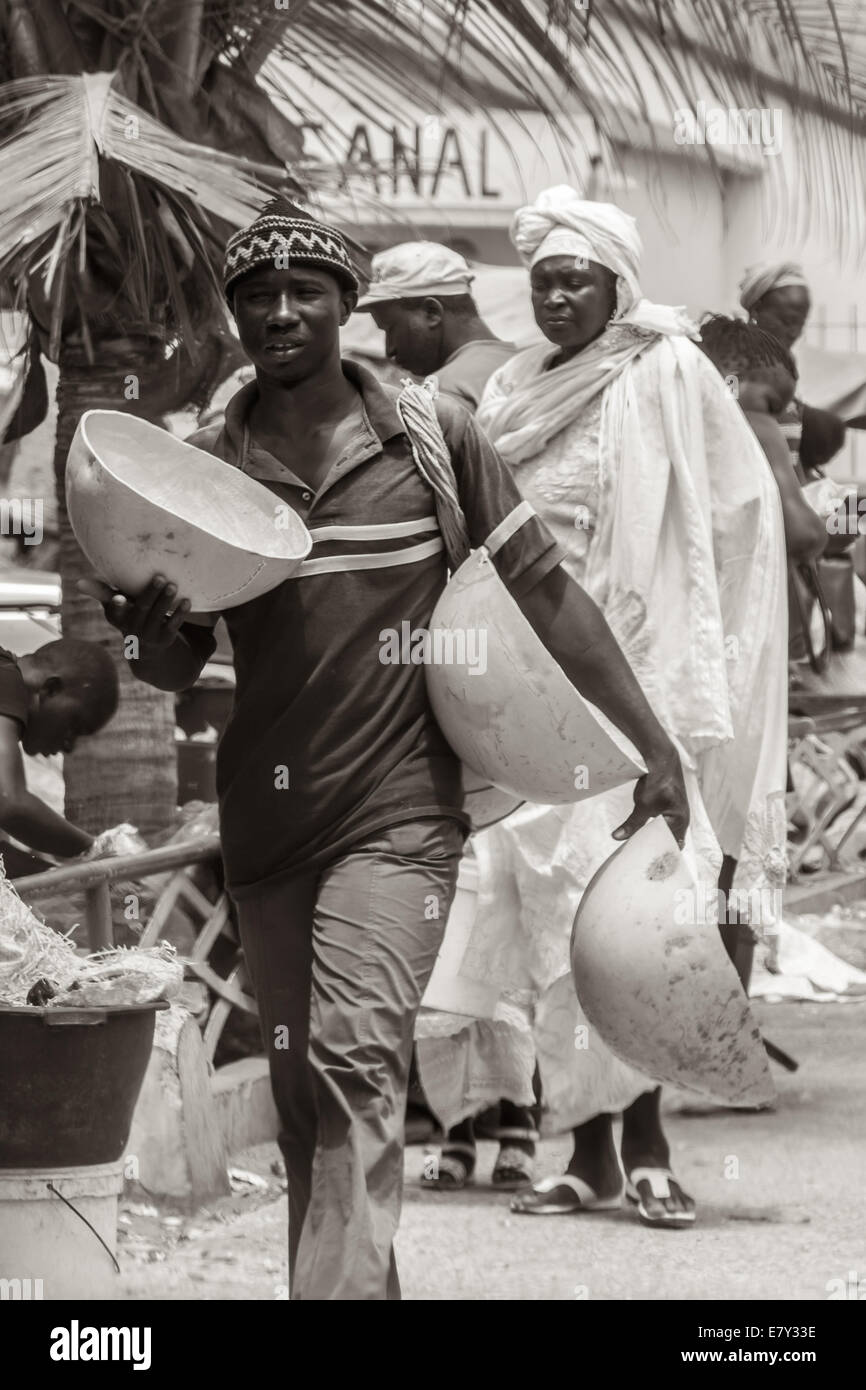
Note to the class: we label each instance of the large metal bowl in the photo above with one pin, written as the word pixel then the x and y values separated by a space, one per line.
pixel 654 979
pixel 518 723
pixel 143 502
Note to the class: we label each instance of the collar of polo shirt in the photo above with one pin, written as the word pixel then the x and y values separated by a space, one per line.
pixel 378 406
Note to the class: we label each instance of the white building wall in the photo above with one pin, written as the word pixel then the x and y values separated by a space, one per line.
pixel 700 227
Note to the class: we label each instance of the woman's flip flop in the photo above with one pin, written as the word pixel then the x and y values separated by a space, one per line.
pixel 574 1195
pixel 657 1182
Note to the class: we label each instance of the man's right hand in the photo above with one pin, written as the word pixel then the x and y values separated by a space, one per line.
pixel 154 617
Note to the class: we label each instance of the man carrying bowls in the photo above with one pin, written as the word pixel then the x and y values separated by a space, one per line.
pixel 340 801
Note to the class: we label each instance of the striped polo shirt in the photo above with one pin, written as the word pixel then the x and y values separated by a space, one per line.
pixel 327 743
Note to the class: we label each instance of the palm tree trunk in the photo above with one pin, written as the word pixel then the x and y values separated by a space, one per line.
pixel 128 771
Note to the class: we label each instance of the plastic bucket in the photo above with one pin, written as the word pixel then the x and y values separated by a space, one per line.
pixel 47 1249
pixel 447 989
pixel 69 1081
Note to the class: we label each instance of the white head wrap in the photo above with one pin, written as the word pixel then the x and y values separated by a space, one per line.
pixel 562 241
pixel 758 280
pixel 560 222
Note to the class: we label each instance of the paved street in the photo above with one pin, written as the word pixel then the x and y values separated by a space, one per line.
pixel 780 1197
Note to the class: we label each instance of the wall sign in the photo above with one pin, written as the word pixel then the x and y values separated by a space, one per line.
pixel 430 160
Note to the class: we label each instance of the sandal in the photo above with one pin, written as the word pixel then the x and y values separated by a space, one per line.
pixel 501 1132
pixel 658 1182
pixel 451 1170
pixel 513 1167
pixel 574 1195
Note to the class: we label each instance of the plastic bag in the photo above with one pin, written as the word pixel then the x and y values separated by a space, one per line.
pixel 124 977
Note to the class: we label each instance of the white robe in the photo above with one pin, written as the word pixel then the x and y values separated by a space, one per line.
pixel 686 559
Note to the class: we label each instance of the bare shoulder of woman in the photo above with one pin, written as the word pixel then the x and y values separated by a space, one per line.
pixel 805 534
pixel 773 441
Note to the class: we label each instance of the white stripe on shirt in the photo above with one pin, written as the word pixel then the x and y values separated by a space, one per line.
pixel 336 564
pixel 383 532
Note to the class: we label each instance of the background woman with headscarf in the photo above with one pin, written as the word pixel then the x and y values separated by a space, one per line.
pixel 622 436
pixel 776 297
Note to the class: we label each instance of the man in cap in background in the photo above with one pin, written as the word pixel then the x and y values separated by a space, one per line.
pixel 420 298
pixel 341 812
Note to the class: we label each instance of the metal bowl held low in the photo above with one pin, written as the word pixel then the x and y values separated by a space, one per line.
pixel 655 980
pixel 142 502
pixel 69 1082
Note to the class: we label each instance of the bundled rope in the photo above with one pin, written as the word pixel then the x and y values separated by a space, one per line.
pixel 29 951
pixel 433 461
pixel 124 977
pixel 39 966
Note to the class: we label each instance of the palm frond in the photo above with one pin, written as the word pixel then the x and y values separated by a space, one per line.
pixel 48 162
pixel 67 133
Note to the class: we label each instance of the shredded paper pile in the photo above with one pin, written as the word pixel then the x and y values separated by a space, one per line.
pixel 38 966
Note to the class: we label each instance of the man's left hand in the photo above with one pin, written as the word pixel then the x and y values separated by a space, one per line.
pixel 660 792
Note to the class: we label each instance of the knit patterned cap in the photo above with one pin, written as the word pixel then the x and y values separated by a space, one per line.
pixel 283 235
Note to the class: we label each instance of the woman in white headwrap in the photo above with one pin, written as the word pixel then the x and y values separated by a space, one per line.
pixel 624 439
pixel 775 295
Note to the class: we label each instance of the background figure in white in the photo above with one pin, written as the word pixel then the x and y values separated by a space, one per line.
pixel 624 439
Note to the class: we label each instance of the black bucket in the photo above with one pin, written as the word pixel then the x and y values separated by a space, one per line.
pixel 69 1082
